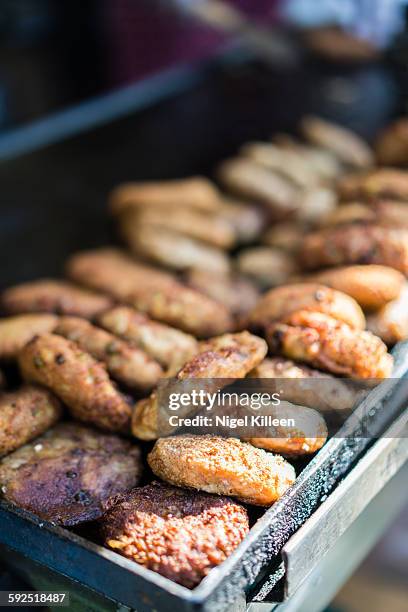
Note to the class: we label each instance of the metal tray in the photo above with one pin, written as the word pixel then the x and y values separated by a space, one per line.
pixel 53 203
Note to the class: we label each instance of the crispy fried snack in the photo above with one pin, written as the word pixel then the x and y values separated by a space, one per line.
pixel 372 286
pixel 315 203
pixel 392 144
pixel 326 343
pixel 170 347
pixel 390 322
pixel 356 244
pixel 282 301
pixel 284 236
pixel 179 534
pixel 152 291
pixel 55 296
pixel 208 227
pixel 26 414
pixel 267 266
pixel 225 357
pixel 247 219
pixel 125 363
pixel 78 379
pixel 16 331
pixel 67 475
pixel 382 183
pixel 196 192
pixel 324 162
pixel 224 466
pixel 172 249
pixel 344 143
pixel 386 213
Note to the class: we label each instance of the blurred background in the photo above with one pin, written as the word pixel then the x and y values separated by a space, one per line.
pixel 352 56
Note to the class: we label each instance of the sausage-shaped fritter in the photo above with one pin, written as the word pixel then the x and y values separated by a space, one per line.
pixel 211 228
pixel 266 266
pixel 173 249
pixel 197 192
pixel 315 203
pixel 284 236
pixel 125 363
pixel 323 161
pixel 344 143
pixel 280 302
pixel 315 389
pixel 179 534
pixel 305 438
pixel 356 244
pixel 329 344
pixel 225 357
pixel 68 475
pixel 16 331
pixel 392 144
pixel 80 381
pixel 26 414
pixel 245 178
pixel 224 466
pixel 55 296
pixel 236 293
pixel 386 213
pixel 372 286
pixel 152 291
pixel 382 183
pixel 390 322
pixel 247 219
pixel 167 345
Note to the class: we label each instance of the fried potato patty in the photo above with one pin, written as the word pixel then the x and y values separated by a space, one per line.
pixel 224 466
pixel 68 474
pixel 125 363
pixel 56 296
pixel 374 185
pixel 280 302
pixel 179 534
pixel 16 331
pixel 356 244
pixel 78 379
pixel 329 344
pixel 390 322
pixel 26 414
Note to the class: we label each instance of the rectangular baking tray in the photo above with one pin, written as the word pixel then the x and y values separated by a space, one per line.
pixel 53 203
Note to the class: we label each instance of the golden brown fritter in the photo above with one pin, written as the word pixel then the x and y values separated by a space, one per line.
pixel 247 219
pixel 386 213
pixel 326 343
pixel 315 203
pixel 225 357
pixel 196 191
pixel 169 346
pixel 344 143
pixel 284 236
pixel 78 379
pixel 314 389
pixel 26 414
pixel 173 249
pixel 179 534
pixel 236 293
pixel 356 244
pixel 152 291
pixel 16 331
pixel 201 225
pixel 247 179
pixel 323 161
pixel 266 266
pixel 372 286
pixel 392 144
pixel 390 322
pixel 305 438
pixel 68 475
pixel 381 183
pixel 125 363
pixel 282 301
pixel 224 466
pixel 56 296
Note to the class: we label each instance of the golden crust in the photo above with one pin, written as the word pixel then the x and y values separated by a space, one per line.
pixel 326 343
pixel 266 266
pixel 392 144
pixel 16 331
pixel 381 183
pixel 282 301
pixel 77 379
pixel 26 414
pixel 179 534
pixel 386 213
pixel 55 296
pixel 125 363
pixel 390 322
pixel 356 244
pixel 224 466
pixel 196 192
